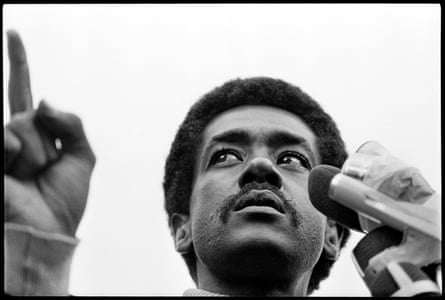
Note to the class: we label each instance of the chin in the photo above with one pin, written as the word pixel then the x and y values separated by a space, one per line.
pixel 259 254
pixel 256 250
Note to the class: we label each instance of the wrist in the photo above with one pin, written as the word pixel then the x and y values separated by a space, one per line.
pixel 37 262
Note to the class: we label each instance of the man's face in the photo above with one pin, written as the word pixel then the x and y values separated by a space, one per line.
pixel 250 211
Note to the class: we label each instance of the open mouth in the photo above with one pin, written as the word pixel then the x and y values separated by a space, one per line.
pixel 260 198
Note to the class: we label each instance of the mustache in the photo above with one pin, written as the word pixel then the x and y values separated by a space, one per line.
pixel 228 204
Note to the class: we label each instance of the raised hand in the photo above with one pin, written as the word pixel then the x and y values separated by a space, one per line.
pixel 46 184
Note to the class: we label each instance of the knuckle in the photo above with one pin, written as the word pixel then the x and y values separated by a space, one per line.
pixel 22 123
pixel 11 142
pixel 75 123
pixel 90 156
pixel 93 158
pixel 74 120
pixel 29 165
pixel 34 159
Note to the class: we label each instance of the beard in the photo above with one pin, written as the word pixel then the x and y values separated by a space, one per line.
pixel 285 249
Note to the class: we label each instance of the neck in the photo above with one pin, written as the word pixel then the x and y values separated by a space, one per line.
pixel 258 286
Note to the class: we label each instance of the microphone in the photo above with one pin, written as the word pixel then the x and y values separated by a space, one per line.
pixel 319 183
pixel 349 201
pixel 388 222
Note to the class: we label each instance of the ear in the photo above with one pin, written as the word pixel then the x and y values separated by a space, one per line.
pixel 332 239
pixel 180 225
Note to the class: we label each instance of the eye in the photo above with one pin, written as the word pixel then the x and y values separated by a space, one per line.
pixel 225 157
pixel 294 160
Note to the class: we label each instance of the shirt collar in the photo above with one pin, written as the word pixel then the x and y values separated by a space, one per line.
pixel 199 292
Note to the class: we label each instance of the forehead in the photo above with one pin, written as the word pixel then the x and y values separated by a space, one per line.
pixel 259 118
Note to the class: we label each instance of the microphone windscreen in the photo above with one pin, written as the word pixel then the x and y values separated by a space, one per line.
pixel 319 182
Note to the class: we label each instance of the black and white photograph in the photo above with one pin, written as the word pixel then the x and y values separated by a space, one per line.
pixel 222 149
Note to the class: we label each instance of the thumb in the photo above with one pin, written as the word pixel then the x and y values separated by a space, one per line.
pixel 373 148
pixel 68 128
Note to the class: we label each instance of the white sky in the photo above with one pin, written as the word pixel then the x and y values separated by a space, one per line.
pixel 132 72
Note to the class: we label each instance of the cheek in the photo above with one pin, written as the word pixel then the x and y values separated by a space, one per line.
pixel 209 191
pixel 312 244
pixel 310 219
pixel 310 233
pixel 207 197
pixel 205 224
pixel 298 191
pixel 311 223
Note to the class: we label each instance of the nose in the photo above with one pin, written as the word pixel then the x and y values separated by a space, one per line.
pixel 260 170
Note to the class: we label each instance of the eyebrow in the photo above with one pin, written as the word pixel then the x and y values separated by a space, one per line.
pixel 234 136
pixel 275 139
pixel 279 138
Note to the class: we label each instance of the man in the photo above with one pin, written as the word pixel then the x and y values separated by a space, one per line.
pixel 242 156
pixel 235 189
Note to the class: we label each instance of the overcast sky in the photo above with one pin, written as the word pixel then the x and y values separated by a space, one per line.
pixel 132 72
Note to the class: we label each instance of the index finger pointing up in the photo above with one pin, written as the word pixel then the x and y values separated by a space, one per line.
pixel 20 97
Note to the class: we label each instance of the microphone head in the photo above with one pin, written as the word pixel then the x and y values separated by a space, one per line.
pixel 319 182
